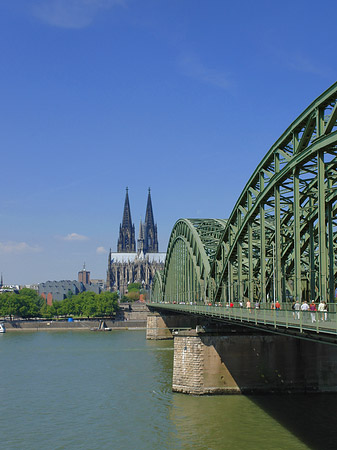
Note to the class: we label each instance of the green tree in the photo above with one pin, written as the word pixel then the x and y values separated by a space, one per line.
pixel 107 304
pixel 133 292
pixel 29 303
pixel 56 308
pixel 25 303
pixel 133 295
pixel 8 305
pixel 77 305
pixel 67 307
pixel 89 304
pixel 132 287
pixel 47 311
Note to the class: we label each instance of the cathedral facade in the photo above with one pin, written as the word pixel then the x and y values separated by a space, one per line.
pixel 131 263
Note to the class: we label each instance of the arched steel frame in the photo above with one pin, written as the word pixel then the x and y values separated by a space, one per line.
pixel 280 239
pixel 157 287
pixel 191 250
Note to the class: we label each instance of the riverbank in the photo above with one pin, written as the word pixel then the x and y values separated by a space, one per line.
pixel 76 325
pixel 129 317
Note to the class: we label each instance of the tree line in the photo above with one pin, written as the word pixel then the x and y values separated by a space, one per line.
pixel 27 304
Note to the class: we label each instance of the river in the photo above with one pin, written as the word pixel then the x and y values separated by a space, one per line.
pixel 85 390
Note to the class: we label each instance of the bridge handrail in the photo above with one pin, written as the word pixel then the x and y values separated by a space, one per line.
pixel 313 321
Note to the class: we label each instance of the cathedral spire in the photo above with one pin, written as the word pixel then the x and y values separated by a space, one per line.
pixel 140 242
pixel 127 221
pixel 141 230
pixel 135 267
pixel 150 238
pixel 126 241
pixel 149 212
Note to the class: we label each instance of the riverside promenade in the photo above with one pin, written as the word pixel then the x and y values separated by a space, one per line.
pixel 131 317
pixel 76 325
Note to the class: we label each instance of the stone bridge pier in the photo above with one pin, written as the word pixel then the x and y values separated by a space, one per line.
pixel 248 363
pixel 165 326
pixel 236 360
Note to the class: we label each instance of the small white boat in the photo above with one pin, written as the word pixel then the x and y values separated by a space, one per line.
pixel 2 328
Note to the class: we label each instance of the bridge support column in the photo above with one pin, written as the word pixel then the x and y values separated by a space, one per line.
pixel 160 326
pixel 156 327
pixel 206 363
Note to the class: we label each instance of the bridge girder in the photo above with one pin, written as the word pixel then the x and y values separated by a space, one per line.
pixel 192 247
pixel 280 240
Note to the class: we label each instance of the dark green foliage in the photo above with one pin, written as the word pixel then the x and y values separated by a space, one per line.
pixel 27 304
pixel 133 292
pixel 133 295
pixel 132 287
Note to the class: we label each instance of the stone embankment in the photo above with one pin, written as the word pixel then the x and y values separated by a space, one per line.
pixel 80 325
pixel 128 318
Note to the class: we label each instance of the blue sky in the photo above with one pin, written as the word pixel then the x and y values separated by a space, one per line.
pixel 184 96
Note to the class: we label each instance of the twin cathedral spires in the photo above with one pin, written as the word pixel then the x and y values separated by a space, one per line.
pixel 148 239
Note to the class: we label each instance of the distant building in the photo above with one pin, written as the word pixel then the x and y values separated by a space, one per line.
pixel 84 276
pixel 100 282
pixel 10 288
pixel 34 286
pixel 59 290
pixel 128 265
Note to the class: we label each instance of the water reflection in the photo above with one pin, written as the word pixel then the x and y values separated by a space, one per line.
pixel 310 417
pixel 236 422
pixel 97 391
pixel 233 422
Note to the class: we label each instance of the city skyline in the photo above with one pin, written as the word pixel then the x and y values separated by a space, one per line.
pixel 185 99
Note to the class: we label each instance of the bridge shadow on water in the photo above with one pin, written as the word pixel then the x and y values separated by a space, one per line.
pixel 312 418
pixel 251 422
pixel 293 421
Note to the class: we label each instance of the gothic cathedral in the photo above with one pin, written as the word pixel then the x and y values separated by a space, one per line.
pixel 131 265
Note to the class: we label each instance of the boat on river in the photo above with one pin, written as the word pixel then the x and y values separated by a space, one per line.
pixel 2 328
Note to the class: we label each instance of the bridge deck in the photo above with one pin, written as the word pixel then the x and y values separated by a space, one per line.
pixel 318 326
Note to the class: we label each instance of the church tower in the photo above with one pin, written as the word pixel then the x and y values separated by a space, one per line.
pixel 126 241
pixel 150 229
pixel 140 242
pixel 135 267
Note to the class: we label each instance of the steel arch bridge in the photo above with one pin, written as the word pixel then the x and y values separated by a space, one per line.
pixel 280 240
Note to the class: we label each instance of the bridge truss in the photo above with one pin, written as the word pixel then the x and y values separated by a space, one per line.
pixel 280 239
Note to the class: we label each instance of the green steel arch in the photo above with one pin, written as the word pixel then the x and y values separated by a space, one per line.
pixel 191 251
pixel 157 287
pixel 280 239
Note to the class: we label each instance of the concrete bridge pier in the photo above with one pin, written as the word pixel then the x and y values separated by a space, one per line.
pixel 213 363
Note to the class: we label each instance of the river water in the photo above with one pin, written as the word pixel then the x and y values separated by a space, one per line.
pixel 84 390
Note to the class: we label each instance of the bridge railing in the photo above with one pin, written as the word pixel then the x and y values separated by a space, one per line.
pixel 286 317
